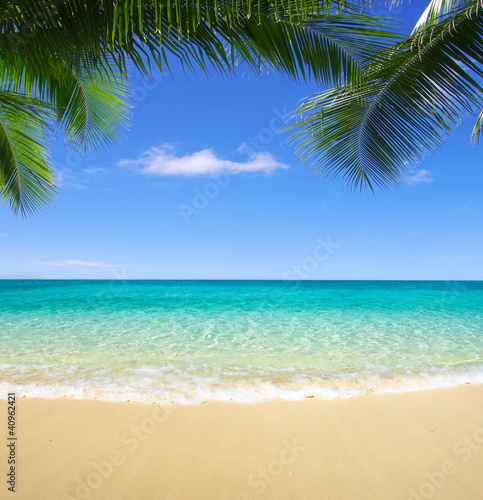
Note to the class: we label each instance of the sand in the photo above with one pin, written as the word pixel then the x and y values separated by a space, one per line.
pixel 413 446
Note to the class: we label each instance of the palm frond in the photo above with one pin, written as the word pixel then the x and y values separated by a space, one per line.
pixel 305 40
pixel 434 13
pixel 73 55
pixel 477 130
pixel 331 49
pixel 416 94
pixel 199 33
pixel 26 179
pixel 92 108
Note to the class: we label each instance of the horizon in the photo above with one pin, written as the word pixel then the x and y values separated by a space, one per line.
pixel 241 279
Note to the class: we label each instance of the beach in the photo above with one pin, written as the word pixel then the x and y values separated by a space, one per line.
pixel 415 445
pixel 241 390
pixel 187 312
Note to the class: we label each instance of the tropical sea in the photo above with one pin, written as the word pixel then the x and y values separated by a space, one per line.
pixel 240 341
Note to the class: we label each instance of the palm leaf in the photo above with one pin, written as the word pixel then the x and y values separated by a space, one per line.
pixel 92 108
pixel 199 33
pixel 434 13
pixel 26 179
pixel 73 56
pixel 417 93
pixel 477 130
pixel 327 50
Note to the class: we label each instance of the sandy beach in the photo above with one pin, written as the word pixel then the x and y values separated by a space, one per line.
pixel 418 445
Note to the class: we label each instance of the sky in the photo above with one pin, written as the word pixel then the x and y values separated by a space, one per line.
pixel 201 186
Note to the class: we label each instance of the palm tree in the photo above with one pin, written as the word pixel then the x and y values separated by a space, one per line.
pixel 415 94
pixel 65 62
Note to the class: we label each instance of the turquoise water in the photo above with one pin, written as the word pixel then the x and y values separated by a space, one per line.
pixel 194 341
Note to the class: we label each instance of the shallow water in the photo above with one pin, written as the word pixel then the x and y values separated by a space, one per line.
pixel 194 341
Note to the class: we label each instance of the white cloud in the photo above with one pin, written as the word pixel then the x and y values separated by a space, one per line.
pixel 414 177
pixel 95 170
pixel 467 206
pixel 61 176
pixel 64 178
pixel 163 161
pixel 69 262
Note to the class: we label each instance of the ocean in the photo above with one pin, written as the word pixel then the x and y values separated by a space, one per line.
pixel 188 342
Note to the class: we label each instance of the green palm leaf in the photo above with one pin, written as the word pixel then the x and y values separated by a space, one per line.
pixel 292 37
pixel 73 56
pixel 92 108
pixel 477 129
pixel 26 179
pixel 417 93
pixel 434 13
pixel 326 50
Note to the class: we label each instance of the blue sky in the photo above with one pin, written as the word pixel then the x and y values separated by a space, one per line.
pixel 201 187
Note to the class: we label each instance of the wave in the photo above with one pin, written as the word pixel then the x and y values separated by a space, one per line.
pixel 162 386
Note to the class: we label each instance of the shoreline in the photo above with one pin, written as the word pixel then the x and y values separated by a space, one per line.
pixel 411 445
pixel 189 392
